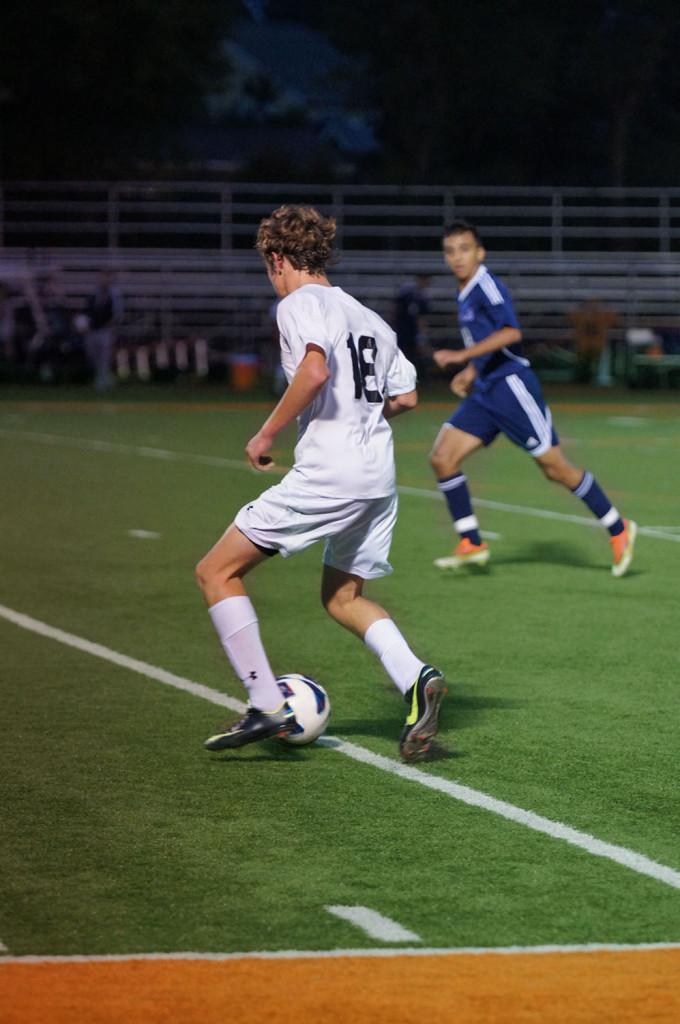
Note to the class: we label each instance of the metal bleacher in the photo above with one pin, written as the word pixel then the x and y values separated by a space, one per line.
pixel 184 258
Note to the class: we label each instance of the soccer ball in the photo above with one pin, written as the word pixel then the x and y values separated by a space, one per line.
pixel 310 704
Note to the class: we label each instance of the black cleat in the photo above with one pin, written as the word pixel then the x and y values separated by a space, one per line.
pixel 424 699
pixel 255 725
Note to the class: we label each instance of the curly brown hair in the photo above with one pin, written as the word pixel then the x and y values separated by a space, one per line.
pixel 301 233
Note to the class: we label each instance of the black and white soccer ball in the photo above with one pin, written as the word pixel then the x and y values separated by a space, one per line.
pixel 310 704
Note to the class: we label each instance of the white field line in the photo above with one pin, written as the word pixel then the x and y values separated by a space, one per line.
pixel 141 667
pixel 217 460
pixel 541 513
pixel 474 798
pixel 375 925
pixel 127 449
pixel 619 854
pixel 337 954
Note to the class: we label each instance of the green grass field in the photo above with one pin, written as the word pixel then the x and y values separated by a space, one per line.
pixel 123 835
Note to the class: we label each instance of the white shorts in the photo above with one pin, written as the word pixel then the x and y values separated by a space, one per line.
pixel 358 533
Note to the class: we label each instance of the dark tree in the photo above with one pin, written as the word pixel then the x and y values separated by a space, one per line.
pixel 87 88
pixel 519 91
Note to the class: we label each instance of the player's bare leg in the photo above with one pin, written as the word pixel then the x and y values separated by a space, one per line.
pixel 342 597
pixel 451 446
pixel 220 576
pixel 422 685
pixel 450 449
pixel 220 573
pixel 557 468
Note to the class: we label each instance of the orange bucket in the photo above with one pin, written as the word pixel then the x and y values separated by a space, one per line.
pixel 245 370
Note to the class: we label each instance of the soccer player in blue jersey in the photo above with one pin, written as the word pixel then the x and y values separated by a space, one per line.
pixel 501 395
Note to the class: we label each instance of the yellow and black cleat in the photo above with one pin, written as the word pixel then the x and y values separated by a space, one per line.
pixel 424 699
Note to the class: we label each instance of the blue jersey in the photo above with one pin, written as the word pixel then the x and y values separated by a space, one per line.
pixel 485 306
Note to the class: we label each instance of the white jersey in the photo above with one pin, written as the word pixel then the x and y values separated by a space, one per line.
pixel 344 447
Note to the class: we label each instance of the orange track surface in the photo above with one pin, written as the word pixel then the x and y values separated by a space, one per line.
pixel 636 987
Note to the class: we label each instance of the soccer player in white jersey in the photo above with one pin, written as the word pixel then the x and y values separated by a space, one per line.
pixel 346 378
pixel 501 394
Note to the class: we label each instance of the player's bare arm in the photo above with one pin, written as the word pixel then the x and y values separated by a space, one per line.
pixel 462 383
pixel 444 357
pixel 396 405
pixel 309 379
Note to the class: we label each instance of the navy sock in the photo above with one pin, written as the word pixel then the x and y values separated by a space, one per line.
pixel 455 490
pixel 590 492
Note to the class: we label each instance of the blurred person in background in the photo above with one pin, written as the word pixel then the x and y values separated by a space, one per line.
pixel 8 305
pixel 22 323
pixel 56 348
pixel 410 309
pixel 591 324
pixel 278 377
pixel 102 315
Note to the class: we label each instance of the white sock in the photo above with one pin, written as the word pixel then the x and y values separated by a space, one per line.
pixel 236 623
pixel 399 661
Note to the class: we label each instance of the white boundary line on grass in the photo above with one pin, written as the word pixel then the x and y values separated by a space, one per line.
pixel 336 954
pixel 141 667
pixel 216 460
pixel 619 854
pixel 541 513
pixel 375 925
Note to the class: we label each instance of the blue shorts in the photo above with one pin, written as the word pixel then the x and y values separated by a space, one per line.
pixel 512 405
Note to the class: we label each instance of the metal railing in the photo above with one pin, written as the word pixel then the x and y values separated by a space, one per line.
pixel 224 217
pixel 173 294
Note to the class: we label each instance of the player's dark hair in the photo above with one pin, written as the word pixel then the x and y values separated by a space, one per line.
pixel 461 227
pixel 301 233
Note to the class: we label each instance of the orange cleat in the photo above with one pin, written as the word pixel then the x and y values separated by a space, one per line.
pixel 622 547
pixel 465 553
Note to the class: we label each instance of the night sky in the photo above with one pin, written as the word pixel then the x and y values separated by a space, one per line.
pixel 518 92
